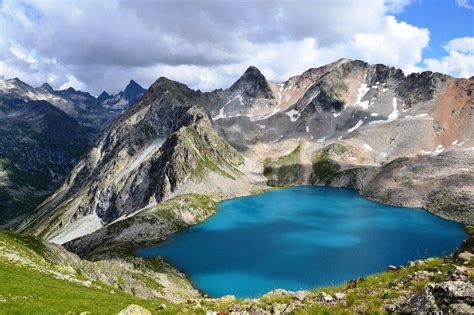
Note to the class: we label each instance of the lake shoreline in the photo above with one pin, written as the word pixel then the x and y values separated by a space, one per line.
pixel 336 190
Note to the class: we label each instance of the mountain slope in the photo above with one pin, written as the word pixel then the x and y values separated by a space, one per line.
pixel 43 278
pixel 157 147
pixel 39 144
pixel 354 100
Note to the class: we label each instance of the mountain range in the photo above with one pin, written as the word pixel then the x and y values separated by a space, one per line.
pixel 401 140
pixel 44 132
pixel 98 175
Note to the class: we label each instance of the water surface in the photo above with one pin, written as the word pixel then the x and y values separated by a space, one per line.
pixel 301 238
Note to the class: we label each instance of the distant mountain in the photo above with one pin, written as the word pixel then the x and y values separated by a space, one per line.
pixel 43 133
pixel 81 106
pixel 39 144
pixel 122 100
pixel 346 124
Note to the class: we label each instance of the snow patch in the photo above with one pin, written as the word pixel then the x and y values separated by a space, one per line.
pixel 374 114
pixel 293 114
pixel 359 123
pixel 439 149
pixel 367 147
pixel 394 114
pixel 83 226
pixel 361 91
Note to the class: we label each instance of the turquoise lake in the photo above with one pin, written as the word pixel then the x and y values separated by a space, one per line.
pixel 301 238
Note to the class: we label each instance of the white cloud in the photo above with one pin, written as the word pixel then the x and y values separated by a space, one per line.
pixel 398 44
pixel 206 44
pixel 460 59
pixel 464 4
pixel 397 6
pixel 463 45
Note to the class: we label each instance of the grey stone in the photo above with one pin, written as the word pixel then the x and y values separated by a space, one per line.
pixel 340 296
pixel 134 309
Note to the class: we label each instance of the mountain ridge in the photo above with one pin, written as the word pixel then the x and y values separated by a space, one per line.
pixel 344 103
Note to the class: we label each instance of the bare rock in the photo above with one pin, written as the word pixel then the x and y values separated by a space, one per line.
pixel 461 308
pixel 326 298
pixel 340 296
pixel 465 257
pixel 450 292
pixel 134 309
pixel 423 301
pixel 300 295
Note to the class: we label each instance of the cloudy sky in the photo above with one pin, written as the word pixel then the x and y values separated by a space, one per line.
pixel 101 45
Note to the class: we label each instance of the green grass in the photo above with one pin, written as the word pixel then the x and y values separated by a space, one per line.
pixel 284 170
pixel 323 168
pixel 24 289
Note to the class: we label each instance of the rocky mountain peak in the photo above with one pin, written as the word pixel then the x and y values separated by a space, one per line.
pixel 45 86
pixel 133 91
pixel 103 96
pixel 253 84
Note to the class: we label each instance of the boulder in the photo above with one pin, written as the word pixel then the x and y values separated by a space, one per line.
pixel 134 309
pixel 465 257
pixel 340 296
pixel 326 298
pixel 460 308
pixel 423 301
pixel 450 292
pixel 300 295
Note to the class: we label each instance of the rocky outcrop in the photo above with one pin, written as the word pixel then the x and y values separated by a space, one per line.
pixel 450 296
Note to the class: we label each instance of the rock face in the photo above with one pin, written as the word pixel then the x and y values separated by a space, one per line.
pixel 39 144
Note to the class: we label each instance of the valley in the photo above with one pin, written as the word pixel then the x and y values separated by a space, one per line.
pixel 160 164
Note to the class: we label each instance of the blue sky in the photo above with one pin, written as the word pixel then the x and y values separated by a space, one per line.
pixel 208 44
pixel 445 20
